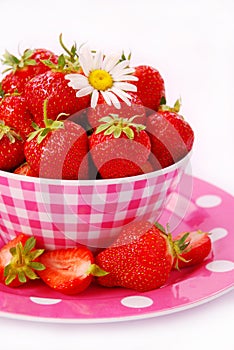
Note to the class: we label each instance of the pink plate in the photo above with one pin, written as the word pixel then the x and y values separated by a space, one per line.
pixel 209 209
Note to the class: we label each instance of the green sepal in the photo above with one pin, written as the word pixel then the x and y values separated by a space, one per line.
pixel 16 63
pixel 160 227
pixel 96 271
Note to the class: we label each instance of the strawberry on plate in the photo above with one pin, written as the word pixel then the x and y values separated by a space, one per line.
pixel 119 147
pixel 150 86
pixel 18 261
pixel 141 258
pixel 14 112
pixel 69 271
pixel 198 247
pixel 58 150
pixel 24 68
pixel 170 134
pixel 11 148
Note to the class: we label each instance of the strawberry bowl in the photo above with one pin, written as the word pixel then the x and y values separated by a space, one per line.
pixel 63 213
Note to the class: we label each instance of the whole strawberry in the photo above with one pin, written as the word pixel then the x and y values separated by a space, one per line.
pixel 24 68
pixel 171 136
pixel 11 148
pixel 119 147
pixel 58 150
pixel 150 86
pixel 18 261
pixel 14 112
pixel 126 111
pixel 140 259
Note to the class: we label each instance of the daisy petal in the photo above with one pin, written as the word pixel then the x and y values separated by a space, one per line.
pixel 97 61
pixel 77 81
pixel 126 77
pixel 85 91
pixel 94 98
pixel 86 60
pixel 106 97
pixel 114 100
pixel 120 67
pixel 125 86
pixel 123 95
pixel 109 62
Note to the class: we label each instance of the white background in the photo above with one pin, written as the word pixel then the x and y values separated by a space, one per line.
pixel 192 44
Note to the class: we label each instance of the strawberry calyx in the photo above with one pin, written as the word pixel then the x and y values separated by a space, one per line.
pixel 16 63
pixel 8 131
pixel 66 63
pixel 23 264
pixel 113 124
pixel 164 107
pixel 177 247
pixel 50 125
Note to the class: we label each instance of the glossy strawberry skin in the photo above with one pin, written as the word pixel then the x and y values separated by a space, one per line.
pixel 6 256
pixel 61 155
pixel 15 81
pixel 67 269
pixel 198 249
pixel 150 86
pixel 14 112
pixel 140 259
pixel 53 86
pixel 171 137
pixel 121 157
pixel 103 109
pixel 11 154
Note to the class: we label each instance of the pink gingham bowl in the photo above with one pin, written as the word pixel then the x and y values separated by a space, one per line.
pixel 63 213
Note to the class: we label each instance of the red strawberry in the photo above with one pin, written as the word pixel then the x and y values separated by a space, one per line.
pixel 59 150
pixel 103 109
pixel 198 247
pixel 170 135
pixel 25 169
pixel 140 259
pixel 119 147
pixel 18 261
pixel 150 86
pixel 11 148
pixel 14 112
pixel 69 271
pixel 24 68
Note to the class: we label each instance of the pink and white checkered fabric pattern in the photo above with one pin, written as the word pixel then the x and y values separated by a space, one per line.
pixel 63 213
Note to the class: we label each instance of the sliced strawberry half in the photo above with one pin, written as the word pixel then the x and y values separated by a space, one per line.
pixel 69 271
pixel 197 246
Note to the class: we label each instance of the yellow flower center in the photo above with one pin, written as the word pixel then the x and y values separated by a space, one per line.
pixel 100 79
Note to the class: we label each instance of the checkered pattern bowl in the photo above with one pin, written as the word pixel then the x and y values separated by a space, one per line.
pixel 62 213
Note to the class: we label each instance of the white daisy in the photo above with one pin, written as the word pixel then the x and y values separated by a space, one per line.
pixel 105 75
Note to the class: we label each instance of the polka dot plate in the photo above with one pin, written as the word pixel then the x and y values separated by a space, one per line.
pixel 195 205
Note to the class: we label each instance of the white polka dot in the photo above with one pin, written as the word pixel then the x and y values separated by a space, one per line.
pixel 45 301
pixel 137 301
pixel 218 233
pixel 208 201
pixel 220 266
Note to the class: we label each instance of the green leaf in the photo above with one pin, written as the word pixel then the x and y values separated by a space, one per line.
pixel 101 128
pixel 96 271
pixel 163 101
pixel 107 119
pixel 10 278
pixel 61 61
pixel 128 132
pixel 21 276
pixel 29 245
pixel 110 130
pixel 37 266
pixel 160 227
pixel 30 273
pixel 117 132
pixel 35 254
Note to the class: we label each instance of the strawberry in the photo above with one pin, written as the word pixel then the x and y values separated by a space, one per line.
pixel 141 258
pixel 24 68
pixel 25 169
pixel 170 135
pixel 69 271
pixel 58 150
pixel 11 148
pixel 14 112
pixel 150 86
pixel 18 261
pixel 198 247
pixel 119 147
pixel 103 109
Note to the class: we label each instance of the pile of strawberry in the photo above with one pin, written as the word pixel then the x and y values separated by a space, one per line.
pixel 141 259
pixel 46 130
